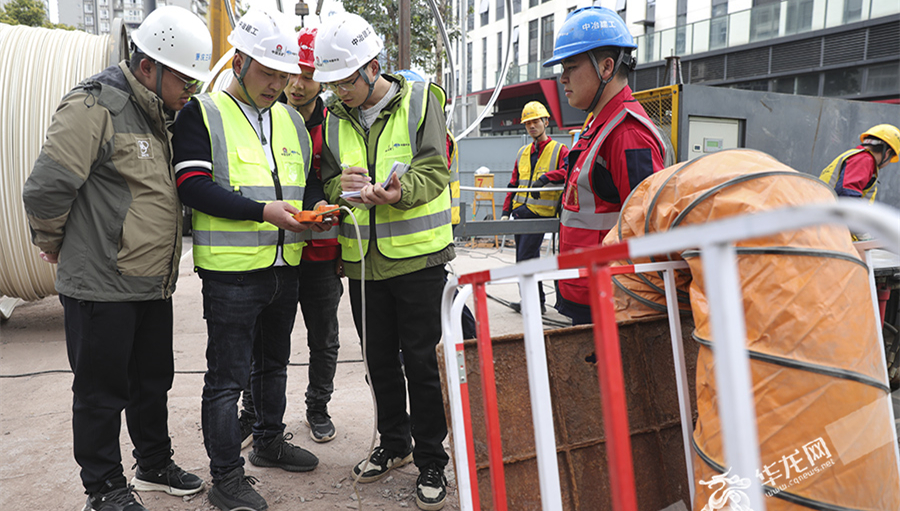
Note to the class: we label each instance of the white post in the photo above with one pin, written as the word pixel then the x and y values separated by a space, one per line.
pixel 539 389
pixel 684 398
pixel 732 366
pixel 451 311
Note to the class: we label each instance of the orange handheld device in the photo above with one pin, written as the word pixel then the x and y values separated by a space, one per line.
pixel 318 215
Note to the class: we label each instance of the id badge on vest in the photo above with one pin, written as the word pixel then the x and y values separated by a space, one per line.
pixel 570 196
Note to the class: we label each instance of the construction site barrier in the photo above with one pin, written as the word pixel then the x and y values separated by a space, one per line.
pixel 735 405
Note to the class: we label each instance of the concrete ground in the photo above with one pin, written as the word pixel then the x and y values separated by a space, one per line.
pixel 39 472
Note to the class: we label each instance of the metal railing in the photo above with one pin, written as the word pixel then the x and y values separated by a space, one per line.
pixel 760 23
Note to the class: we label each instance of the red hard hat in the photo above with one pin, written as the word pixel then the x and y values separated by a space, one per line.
pixel 306 38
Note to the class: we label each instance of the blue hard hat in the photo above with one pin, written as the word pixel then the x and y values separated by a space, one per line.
pixel 411 76
pixel 588 28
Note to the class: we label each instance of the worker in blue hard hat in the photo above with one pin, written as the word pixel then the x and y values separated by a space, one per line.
pixel 619 146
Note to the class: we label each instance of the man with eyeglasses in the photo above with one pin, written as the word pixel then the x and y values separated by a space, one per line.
pixel 102 204
pixel 618 148
pixel 242 162
pixel 406 239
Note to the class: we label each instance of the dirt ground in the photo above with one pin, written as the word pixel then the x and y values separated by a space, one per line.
pixel 38 468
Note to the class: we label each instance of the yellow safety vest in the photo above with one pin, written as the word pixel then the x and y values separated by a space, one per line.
pixel 399 234
pixel 547 161
pixel 239 165
pixel 454 180
pixel 833 178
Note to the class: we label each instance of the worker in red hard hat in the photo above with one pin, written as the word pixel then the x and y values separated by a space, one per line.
pixel 320 266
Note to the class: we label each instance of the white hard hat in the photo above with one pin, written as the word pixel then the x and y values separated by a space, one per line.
pixel 267 40
pixel 176 38
pixel 346 43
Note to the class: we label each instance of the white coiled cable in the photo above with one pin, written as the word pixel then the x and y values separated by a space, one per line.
pixel 39 67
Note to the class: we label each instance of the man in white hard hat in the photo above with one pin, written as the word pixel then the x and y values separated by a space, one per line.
pixel 242 161
pixel 539 163
pixel 102 204
pixel 406 240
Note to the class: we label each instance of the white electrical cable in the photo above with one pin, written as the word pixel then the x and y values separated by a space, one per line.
pixel 39 67
pixel 362 293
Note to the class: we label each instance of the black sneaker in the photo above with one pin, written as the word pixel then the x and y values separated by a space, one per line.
pixel 235 490
pixel 120 499
pixel 517 307
pixel 284 455
pixel 172 480
pixel 431 488
pixel 321 429
pixel 246 423
pixel 379 464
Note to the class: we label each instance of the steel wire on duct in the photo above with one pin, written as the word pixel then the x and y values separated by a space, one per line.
pixel 40 67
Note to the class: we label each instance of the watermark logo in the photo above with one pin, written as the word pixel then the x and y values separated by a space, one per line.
pixel 728 496
pixel 793 467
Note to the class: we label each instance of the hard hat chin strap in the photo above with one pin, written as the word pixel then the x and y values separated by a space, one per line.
pixel 159 73
pixel 365 78
pixel 603 82
pixel 240 79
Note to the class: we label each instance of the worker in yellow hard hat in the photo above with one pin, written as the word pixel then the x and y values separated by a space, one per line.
pixel 855 172
pixel 541 162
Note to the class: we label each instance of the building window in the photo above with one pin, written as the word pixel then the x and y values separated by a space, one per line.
pixel 805 85
pixel 500 9
pixel 515 51
pixel 799 16
pixel 547 37
pixel 532 3
pixel 842 82
pixel 102 2
pixel 533 41
pixel 88 8
pixel 718 25
pixel 485 11
pixel 764 17
pixel 852 10
pixel 883 79
pixel 469 68
pixel 483 63
pixel 89 20
pixel 104 14
pixel 499 50
pixel 470 16
pixel 760 85
pixel 104 27
pixel 681 27
pixel 517 6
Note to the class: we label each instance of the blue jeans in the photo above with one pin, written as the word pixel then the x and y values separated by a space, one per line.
pixel 320 295
pixel 249 317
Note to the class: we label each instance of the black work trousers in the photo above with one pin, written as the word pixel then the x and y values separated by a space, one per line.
pixel 404 313
pixel 121 354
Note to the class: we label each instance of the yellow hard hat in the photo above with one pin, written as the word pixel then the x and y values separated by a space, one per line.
pixel 889 134
pixel 535 110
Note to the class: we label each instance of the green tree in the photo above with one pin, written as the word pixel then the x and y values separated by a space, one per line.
pixel 427 46
pixel 28 12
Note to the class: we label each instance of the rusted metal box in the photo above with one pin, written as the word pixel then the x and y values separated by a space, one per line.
pixel 653 417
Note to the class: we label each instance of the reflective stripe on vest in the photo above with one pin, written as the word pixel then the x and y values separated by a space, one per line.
pixel 547 161
pixel 399 233
pixel 834 178
pixel 587 217
pixel 240 165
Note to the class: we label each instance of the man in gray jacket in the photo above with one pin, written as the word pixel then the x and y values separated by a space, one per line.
pixel 102 204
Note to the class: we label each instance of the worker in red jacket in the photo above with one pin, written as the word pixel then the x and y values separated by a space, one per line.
pixel 619 147
pixel 855 172
pixel 541 162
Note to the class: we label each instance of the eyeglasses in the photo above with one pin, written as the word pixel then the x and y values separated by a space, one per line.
pixel 188 82
pixel 344 86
